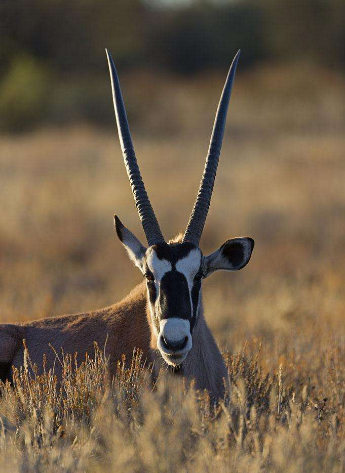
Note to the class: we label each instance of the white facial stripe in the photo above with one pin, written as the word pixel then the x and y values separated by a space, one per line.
pixel 190 263
pixel 158 266
pixel 189 266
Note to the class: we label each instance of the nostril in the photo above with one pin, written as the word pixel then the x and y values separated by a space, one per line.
pixel 184 343
pixel 174 346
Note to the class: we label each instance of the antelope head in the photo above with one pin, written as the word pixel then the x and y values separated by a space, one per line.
pixel 174 271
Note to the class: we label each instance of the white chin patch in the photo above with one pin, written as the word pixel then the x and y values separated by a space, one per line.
pixel 174 330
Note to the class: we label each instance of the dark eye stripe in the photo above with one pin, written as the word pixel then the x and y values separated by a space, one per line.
pixel 152 291
pixel 149 275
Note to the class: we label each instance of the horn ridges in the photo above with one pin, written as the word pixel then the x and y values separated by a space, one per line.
pixel 200 210
pixel 142 202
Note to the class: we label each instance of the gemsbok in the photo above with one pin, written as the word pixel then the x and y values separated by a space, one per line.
pixel 163 316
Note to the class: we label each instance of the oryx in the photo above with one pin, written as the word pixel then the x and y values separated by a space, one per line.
pixel 163 316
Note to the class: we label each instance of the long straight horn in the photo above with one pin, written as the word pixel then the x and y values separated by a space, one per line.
pixel 142 202
pixel 199 213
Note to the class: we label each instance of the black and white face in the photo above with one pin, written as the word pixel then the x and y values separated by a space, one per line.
pixel 173 277
pixel 174 274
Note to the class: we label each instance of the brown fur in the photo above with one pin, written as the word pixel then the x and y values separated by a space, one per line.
pixel 119 329
pixel 111 328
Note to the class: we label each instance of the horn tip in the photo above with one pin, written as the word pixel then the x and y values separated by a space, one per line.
pixel 117 220
pixel 236 58
pixel 109 57
pixel 233 65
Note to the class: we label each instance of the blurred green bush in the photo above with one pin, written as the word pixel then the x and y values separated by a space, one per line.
pixel 24 94
pixel 64 41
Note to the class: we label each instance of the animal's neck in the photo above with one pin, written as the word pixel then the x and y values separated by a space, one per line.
pixel 205 363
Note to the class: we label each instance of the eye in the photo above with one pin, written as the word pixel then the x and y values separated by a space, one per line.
pixel 149 276
pixel 199 275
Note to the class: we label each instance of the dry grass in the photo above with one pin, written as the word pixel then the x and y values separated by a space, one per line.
pixel 280 321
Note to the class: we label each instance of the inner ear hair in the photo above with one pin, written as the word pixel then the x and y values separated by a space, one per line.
pixel 237 251
pixel 136 251
pixel 233 255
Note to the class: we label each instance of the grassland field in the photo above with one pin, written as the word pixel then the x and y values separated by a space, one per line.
pixel 280 321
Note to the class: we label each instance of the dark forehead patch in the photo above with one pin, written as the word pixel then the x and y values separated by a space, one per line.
pixel 174 251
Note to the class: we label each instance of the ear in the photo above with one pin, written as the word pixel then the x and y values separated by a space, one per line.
pixel 234 254
pixel 136 251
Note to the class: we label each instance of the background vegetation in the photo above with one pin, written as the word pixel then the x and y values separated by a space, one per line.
pixel 279 321
pixel 52 67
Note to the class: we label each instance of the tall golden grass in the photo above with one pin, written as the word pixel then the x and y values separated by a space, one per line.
pixel 279 322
